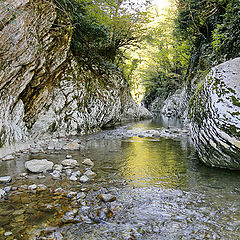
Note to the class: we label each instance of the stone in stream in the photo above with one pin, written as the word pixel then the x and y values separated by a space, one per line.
pixel 2 193
pixel 84 179
pixel 5 179
pixel 58 167
pixel 73 178
pixel 107 197
pixel 90 173
pixel 38 166
pixel 88 162
pixel 56 174
pixel 71 146
pixel 70 163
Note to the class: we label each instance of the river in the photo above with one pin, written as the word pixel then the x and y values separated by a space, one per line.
pixel 162 191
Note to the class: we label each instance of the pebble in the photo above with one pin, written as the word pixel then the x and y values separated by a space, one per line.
pixel 77 173
pixel 35 151
pixel 58 167
pixel 88 162
pixel 90 173
pixel 7 189
pixel 73 178
pixel 23 174
pixel 2 193
pixel 71 194
pixel 32 187
pixel 71 146
pixel 107 197
pixel 8 233
pixel 68 172
pixel 5 179
pixel 59 190
pixel 55 174
pixel 80 195
pixel 84 179
pixel 69 156
pixel 41 187
pixel 41 176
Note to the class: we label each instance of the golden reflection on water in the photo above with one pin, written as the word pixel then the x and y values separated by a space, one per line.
pixel 149 161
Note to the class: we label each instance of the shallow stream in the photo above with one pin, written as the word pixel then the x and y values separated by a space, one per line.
pixel 161 190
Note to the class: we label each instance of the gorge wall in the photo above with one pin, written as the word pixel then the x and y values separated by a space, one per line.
pixel 215 116
pixel 42 88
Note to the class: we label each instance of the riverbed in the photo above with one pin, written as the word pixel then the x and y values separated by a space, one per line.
pixel 162 191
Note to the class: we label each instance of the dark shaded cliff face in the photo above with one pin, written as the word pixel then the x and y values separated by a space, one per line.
pixel 42 88
pixel 215 116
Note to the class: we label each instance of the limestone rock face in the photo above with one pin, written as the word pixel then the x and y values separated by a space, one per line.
pixel 215 116
pixel 42 88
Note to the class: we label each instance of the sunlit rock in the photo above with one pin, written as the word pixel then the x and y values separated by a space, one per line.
pixel 215 116
pixel 38 166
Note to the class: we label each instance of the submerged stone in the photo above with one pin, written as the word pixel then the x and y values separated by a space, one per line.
pixel 107 197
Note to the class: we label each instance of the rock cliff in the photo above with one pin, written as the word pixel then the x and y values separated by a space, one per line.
pixel 215 116
pixel 42 88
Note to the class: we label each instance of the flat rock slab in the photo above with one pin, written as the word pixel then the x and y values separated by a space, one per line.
pixel 38 166
pixel 5 179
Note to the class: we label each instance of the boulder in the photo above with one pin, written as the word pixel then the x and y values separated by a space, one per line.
pixel 215 116
pixel 70 163
pixel 38 166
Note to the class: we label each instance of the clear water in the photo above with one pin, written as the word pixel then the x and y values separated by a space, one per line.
pixel 162 191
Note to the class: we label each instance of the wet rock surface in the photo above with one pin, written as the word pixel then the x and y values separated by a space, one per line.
pixel 215 117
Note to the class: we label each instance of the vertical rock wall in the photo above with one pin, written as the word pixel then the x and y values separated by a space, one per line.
pixel 42 88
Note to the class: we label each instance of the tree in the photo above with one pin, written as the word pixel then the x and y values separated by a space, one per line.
pixel 125 21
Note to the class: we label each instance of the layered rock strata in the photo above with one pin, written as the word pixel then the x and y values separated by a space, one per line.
pixel 215 116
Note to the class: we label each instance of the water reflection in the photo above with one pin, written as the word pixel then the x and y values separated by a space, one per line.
pixel 154 162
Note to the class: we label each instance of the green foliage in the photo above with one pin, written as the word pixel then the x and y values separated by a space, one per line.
pixel 212 28
pixel 101 29
pixel 226 36
pixel 89 37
